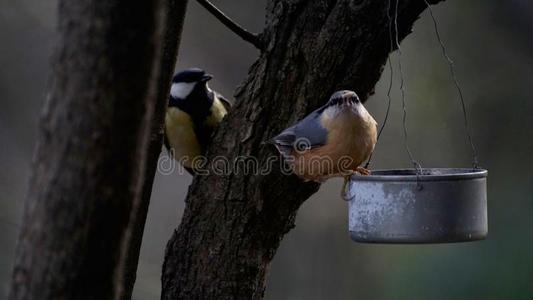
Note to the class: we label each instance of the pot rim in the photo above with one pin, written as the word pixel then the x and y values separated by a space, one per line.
pixel 428 174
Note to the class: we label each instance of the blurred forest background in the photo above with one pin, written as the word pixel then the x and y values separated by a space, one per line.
pixel 492 45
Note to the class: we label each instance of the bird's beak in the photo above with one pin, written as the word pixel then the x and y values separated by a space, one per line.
pixel 207 77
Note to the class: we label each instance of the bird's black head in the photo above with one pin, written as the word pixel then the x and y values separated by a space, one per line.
pixel 189 83
pixel 192 75
pixel 343 97
pixel 189 92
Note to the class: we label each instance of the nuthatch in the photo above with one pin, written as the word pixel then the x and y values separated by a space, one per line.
pixel 331 141
pixel 193 113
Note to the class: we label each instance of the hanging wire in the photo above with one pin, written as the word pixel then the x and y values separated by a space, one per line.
pixel 416 165
pixel 389 100
pixel 475 161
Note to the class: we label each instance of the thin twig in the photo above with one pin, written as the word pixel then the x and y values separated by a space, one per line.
pixel 232 25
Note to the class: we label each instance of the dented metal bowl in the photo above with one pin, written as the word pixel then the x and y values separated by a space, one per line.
pixel 440 205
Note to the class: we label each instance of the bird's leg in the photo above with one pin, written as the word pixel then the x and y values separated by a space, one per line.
pixel 346 180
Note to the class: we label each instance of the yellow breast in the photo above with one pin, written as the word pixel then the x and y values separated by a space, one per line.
pixel 218 112
pixel 179 129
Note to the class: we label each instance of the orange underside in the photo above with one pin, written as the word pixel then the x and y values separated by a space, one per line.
pixel 351 140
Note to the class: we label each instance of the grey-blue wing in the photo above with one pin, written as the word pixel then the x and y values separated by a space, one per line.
pixel 307 133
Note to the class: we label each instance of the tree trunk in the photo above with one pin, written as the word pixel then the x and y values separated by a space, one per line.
pixel 233 223
pixel 174 18
pixel 86 203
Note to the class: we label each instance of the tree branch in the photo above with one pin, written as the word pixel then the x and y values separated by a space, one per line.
pixel 232 25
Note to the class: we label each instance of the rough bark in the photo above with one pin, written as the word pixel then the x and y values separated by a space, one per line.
pixel 86 187
pixel 232 224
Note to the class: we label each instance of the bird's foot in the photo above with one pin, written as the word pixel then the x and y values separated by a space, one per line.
pixel 345 192
pixel 363 171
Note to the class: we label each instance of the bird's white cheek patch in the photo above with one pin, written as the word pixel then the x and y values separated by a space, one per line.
pixel 181 90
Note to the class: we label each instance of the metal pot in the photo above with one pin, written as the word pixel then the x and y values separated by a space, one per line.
pixel 440 205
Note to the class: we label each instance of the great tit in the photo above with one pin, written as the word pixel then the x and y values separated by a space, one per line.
pixel 331 141
pixel 194 111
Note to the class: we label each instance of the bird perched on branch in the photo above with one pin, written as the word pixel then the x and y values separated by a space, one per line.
pixel 331 141
pixel 194 111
